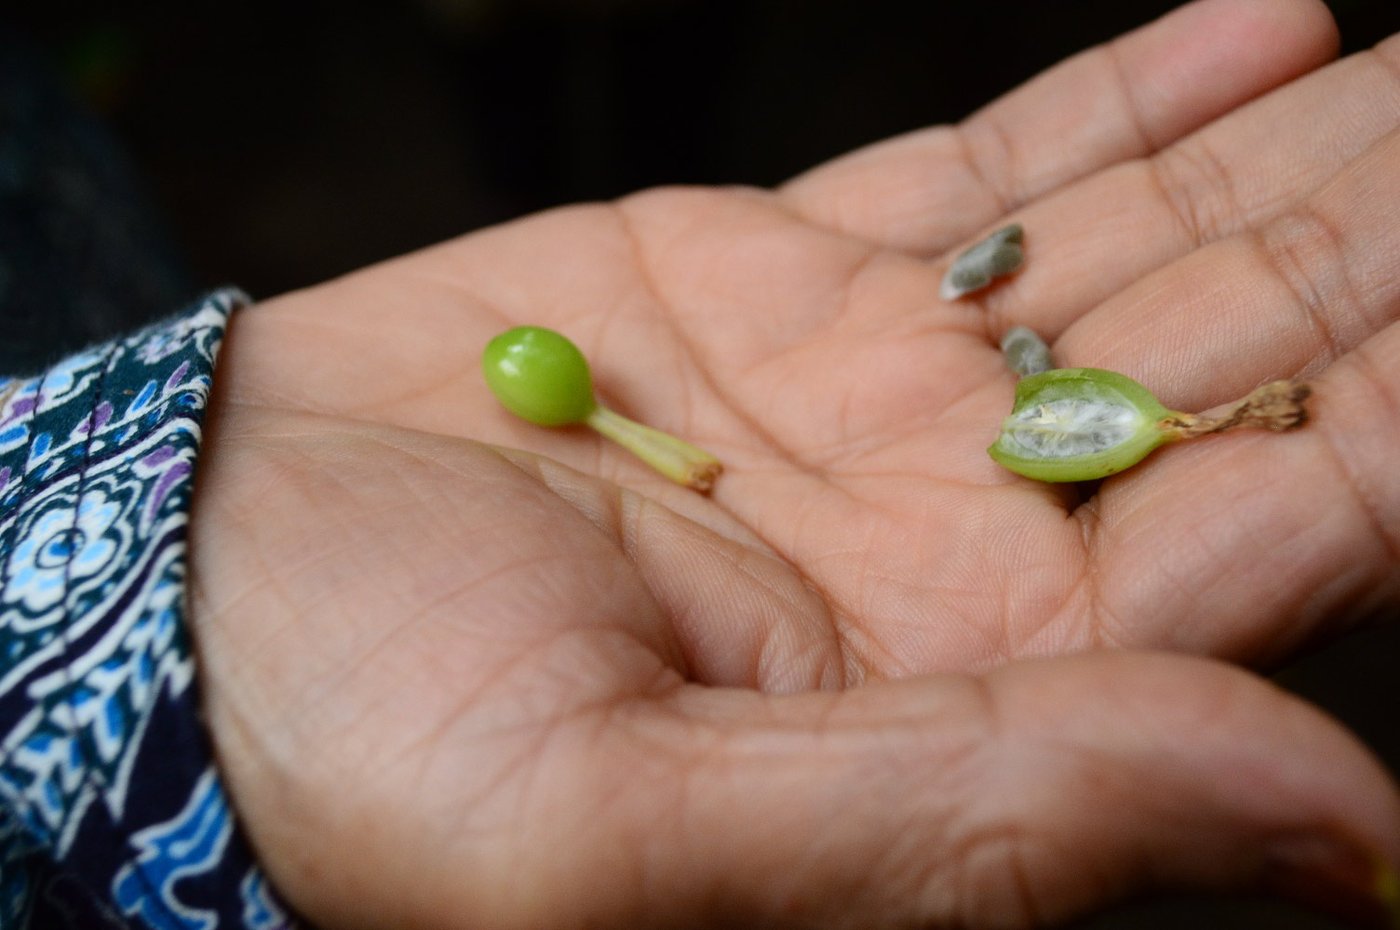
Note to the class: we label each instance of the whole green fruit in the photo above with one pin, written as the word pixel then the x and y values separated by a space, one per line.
pixel 539 375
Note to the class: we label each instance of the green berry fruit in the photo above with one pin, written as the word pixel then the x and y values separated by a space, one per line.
pixel 540 376
pixel 1079 424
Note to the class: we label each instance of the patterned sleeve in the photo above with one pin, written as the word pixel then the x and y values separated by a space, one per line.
pixel 112 814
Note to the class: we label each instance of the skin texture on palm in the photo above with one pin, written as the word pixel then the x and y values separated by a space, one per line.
pixel 455 683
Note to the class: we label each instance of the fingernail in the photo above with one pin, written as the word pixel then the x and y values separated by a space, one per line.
pixel 1388 890
pixel 1340 879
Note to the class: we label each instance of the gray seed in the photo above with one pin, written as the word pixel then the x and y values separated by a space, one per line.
pixel 1026 353
pixel 995 256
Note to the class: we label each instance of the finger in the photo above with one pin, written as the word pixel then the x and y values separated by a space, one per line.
pixel 930 190
pixel 1040 792
pixel 1247 545
pixel 1244 546
pixel 1089 241
pixel 1306 288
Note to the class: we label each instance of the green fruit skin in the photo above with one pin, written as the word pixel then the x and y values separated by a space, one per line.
pixel 539 375
pixel 1085 383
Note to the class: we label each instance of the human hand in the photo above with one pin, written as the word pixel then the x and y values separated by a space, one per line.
pixel 462 671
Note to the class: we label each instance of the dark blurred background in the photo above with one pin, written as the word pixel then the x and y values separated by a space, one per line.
pixel 277 143
pixel 150 151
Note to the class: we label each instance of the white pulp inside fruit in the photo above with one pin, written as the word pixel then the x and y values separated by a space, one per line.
pixel 1069 427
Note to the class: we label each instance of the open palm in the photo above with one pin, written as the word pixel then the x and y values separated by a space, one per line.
pixel 467 672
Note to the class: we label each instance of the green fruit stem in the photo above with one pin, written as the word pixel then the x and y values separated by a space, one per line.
pixel 674 458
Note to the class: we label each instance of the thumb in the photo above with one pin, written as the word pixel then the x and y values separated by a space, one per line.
pixel 1027 796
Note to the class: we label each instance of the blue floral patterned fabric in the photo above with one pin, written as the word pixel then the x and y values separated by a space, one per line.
pixel 112 814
